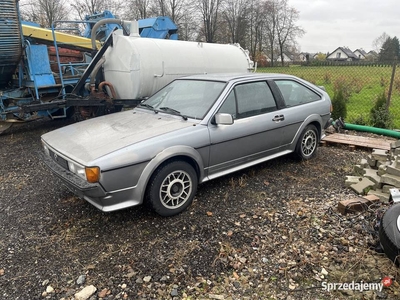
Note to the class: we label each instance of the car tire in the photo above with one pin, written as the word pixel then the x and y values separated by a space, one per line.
pixel 389 233
pixel 307 144
pixel 172 188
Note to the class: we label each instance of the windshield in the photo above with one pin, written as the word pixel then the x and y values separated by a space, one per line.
pixel 188 98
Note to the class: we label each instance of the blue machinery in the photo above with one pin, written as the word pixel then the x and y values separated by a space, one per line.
pixel 43 72
pixel 159 28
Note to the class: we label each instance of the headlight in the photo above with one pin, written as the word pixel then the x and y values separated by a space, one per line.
pixel 46 149
pixel 77 169
pixel 71 167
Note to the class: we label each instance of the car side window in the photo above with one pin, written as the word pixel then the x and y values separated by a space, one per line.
pixel 295 93
pixel 249 99
pixel 253 99
pixel 229 106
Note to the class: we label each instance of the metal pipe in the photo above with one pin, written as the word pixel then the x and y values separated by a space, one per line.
pixel 109 84
pixel 381 131
pixel 94 73
pixel 98 24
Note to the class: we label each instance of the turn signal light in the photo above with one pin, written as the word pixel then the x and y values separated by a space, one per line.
pixel 92 174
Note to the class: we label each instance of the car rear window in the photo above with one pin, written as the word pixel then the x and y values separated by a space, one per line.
pixel 295 93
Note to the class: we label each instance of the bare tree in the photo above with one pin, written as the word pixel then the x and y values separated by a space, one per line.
pixel 160 7
pixel 270 13
pixel 287 30
pixel 176 8
pixel 188 24
pixel 90 7
pixel 209 11
pixel 379 41
pixel 137 9
pixel 170 8
pixel 45 12
pixel 255 34
pixel 235 12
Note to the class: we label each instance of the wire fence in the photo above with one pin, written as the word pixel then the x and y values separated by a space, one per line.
pixel 361 84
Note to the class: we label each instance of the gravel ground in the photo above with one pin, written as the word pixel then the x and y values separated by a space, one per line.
pixel 269 232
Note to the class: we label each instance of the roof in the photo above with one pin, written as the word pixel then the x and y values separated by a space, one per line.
pixel 225 77
pixel 362 51
pixel 346 50
pixel 311 54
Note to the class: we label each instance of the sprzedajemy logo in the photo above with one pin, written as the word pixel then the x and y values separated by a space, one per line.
pixel 354 286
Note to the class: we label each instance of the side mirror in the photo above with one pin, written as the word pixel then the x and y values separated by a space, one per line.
pixel 223 119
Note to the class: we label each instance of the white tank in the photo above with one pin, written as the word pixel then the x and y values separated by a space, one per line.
pixel 138 67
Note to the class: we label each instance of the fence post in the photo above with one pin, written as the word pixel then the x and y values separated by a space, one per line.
pixel 391 83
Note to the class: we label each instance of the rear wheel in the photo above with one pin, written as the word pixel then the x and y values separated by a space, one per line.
pixel 306 147
pixel 172 188
pixel 389 233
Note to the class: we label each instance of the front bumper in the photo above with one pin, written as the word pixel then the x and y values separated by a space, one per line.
pixel 91 192
pixel 78 185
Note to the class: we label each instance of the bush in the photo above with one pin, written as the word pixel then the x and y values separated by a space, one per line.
pixel 339 105
pixel 380 116
pixel 344 85
pixel 327 78
pixel 361 119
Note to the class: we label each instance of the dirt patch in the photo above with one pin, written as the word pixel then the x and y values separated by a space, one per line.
pixel 269 232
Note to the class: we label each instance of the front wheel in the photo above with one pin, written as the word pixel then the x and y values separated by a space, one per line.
pixel 172 188
pixel 306 147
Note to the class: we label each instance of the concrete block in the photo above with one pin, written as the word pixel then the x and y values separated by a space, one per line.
pixel 362 186
pixel 382 170
pixel 393 169
pixel 352 180
pixel 364 163
pixel 380 154
pixel 358 169
pixel 384 197
pixel 386 188
pixel 371 161
pixel 382 163
pixel 396 151
pixel 395 144
pixel 391 179
pixel 373 176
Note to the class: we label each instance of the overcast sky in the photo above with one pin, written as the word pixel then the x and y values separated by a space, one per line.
pixel 351 23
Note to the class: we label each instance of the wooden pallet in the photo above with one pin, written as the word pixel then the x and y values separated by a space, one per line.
pixel 356 141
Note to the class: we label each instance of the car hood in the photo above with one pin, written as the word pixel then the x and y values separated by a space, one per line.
pixel 86 141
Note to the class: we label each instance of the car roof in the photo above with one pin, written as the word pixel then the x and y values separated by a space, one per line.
pixel 225 77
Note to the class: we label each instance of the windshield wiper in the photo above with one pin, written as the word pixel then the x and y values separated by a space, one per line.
pixel 148 106
pixel 174 111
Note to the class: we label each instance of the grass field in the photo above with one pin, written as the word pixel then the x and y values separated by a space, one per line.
pixel 362 83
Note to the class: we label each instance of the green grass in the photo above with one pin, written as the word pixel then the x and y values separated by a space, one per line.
pixel 363 83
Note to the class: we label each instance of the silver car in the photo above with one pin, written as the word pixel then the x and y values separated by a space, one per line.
pixel 193 130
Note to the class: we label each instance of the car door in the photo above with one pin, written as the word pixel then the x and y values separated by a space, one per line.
pixel 254 134
pixel 300 101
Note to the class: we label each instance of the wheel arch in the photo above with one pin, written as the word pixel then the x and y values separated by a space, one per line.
pixel 318 126
pixel 183 153
pixel 311 120
pixel 184 158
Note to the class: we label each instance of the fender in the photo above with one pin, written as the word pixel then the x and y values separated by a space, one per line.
pixel 163 156
pixel 315 118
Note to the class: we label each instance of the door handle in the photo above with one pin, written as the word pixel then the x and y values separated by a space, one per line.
pixel 278 118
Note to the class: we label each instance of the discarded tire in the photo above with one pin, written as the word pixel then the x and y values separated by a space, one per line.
pixel 389 233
